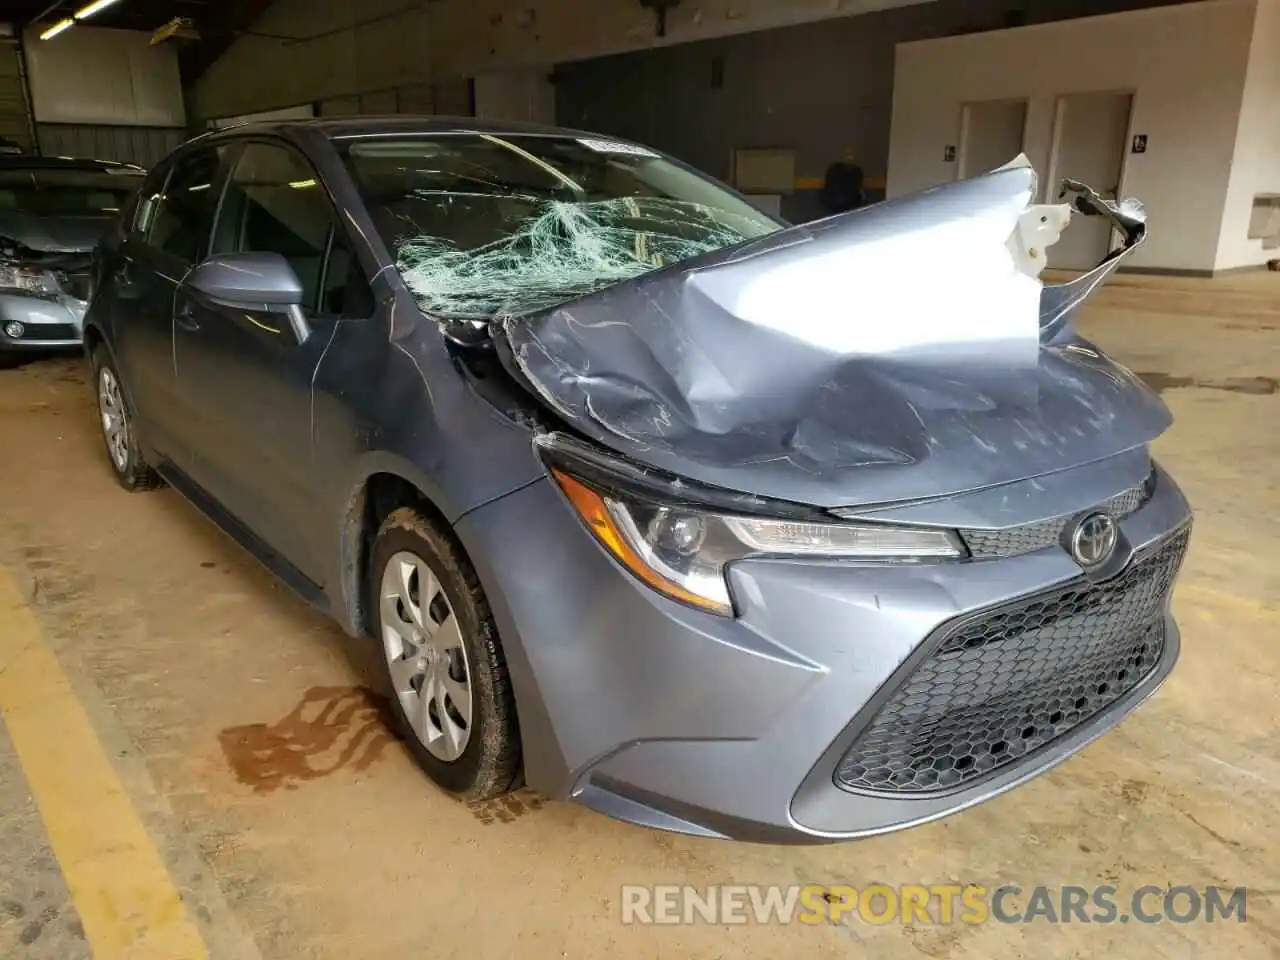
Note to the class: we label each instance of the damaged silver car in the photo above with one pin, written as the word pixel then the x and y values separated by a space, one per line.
pixel 650 501
pixel 53 212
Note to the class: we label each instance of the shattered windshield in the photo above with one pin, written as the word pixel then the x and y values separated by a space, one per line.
pixel 482 225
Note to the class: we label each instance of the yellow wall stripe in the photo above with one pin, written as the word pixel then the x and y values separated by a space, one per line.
pixel 125 897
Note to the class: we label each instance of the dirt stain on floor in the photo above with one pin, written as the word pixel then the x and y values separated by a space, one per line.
pixel 1160 382
pixel 331 729
pixel 509 808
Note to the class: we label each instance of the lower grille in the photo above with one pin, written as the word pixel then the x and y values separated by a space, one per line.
pixel 46 332
pixel 1005 683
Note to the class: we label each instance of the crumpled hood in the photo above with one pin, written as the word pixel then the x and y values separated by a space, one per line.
pixel 901 351
pixel 53 234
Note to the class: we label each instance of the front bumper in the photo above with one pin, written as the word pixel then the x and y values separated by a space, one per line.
pixel 673 718
pixel 46 323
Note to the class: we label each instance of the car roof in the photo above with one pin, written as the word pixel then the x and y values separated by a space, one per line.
pixel 345 128
pixel 30 162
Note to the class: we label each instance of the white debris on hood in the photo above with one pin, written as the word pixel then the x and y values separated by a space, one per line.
pixel 1039 228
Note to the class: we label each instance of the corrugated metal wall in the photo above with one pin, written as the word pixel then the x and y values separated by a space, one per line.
pixel 141 145
pixel 15 124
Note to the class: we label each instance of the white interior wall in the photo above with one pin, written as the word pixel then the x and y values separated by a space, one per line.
pixel 1256 168
pixel 1184 64
pixel 91 75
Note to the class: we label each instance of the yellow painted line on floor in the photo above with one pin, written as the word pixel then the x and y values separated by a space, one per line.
pixel 126 899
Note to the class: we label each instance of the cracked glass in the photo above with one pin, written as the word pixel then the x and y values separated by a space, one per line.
pixel 486 226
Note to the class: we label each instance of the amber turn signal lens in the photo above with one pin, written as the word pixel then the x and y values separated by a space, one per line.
pixel 594 512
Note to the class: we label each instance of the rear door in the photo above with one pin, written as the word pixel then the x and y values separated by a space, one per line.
pixel 173 236
pixel 141 339
pixel 245 369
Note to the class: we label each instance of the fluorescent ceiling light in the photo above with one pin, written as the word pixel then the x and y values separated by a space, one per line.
pixel 85 12
pixel 57 28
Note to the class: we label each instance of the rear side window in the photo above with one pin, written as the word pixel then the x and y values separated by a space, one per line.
pixel 183 216
pixel 274 203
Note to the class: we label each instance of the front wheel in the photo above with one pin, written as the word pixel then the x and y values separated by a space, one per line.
pixel 451 694
pixel 123 453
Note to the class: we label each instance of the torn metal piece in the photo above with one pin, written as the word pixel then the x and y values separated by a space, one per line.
pixel 902 350
pixel 1059 301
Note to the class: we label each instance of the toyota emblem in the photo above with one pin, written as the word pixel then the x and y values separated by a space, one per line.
pixel 1094 540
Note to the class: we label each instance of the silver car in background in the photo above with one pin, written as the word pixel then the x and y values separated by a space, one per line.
pixel 53 212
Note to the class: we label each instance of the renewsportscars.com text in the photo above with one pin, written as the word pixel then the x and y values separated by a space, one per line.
pixel 941 904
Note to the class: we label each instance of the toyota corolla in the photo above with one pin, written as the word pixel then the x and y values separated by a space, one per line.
pixel 651 501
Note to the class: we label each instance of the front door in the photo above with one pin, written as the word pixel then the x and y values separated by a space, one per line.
pixel 246 370
pixel 168 236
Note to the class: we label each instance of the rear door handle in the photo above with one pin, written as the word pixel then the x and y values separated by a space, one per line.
pixel 185 318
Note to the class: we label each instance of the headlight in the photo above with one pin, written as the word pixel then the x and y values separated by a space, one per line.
pixel 28 280
pixel 682 551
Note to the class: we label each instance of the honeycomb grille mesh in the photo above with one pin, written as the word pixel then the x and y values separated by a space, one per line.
pixel 990 544
pixel 1003 685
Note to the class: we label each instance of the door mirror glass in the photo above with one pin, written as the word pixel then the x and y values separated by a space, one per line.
pixel 250 281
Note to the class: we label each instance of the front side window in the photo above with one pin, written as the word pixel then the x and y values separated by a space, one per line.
pixel 274 203
pixel 183 216
pixel 483 225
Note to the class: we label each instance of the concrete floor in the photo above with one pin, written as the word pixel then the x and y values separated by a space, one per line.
pixel 293 824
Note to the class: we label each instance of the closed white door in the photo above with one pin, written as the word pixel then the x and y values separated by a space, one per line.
pixel 1093 132
pixel 992 135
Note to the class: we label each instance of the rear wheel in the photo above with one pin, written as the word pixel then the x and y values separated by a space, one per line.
pixel 123 453
pixel 451 694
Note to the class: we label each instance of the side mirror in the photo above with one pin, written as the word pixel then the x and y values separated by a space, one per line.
pixel 252 281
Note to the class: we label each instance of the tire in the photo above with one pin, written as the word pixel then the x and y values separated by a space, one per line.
pixel 452 641
pixel 130 468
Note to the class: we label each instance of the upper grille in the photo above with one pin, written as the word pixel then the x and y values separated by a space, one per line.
pixel 1003 684
pixel 1029 537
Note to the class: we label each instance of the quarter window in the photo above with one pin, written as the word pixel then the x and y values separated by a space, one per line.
pixel 147 200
